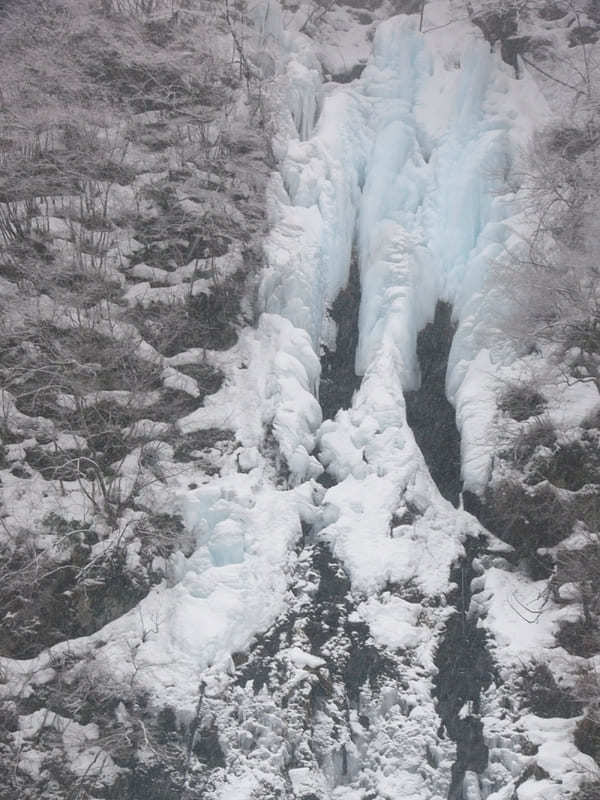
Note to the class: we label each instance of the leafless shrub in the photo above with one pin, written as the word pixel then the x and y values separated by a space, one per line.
pixel 552 280
pixel 140 9
pixel 528 518
pixel 521 401
pixel 580 567
pixel 538 433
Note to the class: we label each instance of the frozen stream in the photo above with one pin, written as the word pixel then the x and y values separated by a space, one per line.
pixel 410 159
pixel 406 163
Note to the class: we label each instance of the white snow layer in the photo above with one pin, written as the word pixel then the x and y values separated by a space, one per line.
pixel 405 163
pixel 408 164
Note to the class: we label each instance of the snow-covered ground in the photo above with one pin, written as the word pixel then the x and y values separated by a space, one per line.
pixel 412 163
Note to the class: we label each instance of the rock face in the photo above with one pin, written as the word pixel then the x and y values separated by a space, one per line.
pixel 298 470
pixel 428 411
pixel 338 377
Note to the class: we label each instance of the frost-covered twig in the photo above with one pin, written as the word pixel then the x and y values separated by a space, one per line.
pixel 316 15
pixel 244 65
pixel 547 74
pixel 535 613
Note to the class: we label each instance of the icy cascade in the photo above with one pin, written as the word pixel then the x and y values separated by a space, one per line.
pixel 410 158
pixel 425 133
pixel 343 695
pixel 430 202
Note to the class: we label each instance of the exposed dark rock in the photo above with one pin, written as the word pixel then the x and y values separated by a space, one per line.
pixel 207 748
pixel 352 660
pixel 527 519
pixel 428 411
pixel 465 668
pixel 349 76
pixel 497 25
pixel 209 378
pixel 590 790
pixel 532 771
pixel 370 5
pixel 545 697
pixel 471 503
pixel 583 34
pixel 553 10
pixel 587 737
pixel 338 378
pixel 513 47
pixel 579 638
pixel 571 142
pixel 570 466
pixel 406 515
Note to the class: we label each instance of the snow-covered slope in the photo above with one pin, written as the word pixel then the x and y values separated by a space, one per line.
pixel 310 631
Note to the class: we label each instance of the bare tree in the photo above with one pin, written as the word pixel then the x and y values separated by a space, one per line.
pixel 553 278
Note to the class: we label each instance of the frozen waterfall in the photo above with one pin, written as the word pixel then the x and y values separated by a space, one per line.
pixel 406 169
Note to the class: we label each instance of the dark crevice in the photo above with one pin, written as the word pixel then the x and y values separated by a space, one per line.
pixel 501 25
pixel 338 378
pixel 327 630
pixel 464 664
pixel 428 411
pixel 349 75
pixel 464 669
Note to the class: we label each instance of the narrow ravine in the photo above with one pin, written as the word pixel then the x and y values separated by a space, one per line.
pixel 338 377
pixel 428 411
pixel 463 661
pixel 465 669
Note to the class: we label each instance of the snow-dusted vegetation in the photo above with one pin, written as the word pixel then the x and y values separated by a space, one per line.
pixel 299 414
